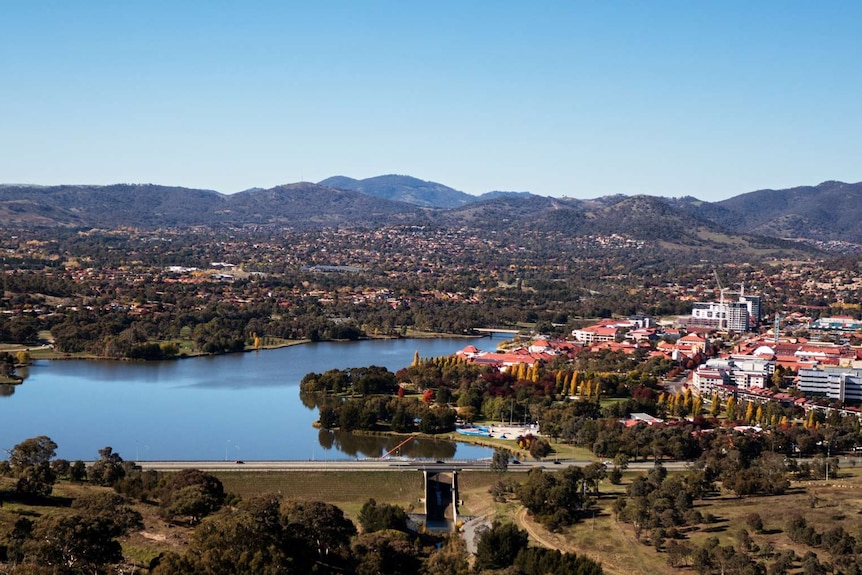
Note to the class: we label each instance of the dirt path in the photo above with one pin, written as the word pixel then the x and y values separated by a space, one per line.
pixel 554 541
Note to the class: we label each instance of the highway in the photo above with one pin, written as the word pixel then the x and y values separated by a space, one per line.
pixel 378 465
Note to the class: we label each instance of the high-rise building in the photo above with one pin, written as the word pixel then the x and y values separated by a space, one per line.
pixel 753 302
pixel 732 316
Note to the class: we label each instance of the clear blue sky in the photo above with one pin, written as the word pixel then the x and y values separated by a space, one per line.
pixel 576 98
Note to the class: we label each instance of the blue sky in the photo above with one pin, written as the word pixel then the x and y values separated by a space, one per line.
pixel 575 98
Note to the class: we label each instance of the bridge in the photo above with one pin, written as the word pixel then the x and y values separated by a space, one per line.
pixel 492 330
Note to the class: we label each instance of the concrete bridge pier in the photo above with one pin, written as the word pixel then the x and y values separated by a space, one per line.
pixel 441 495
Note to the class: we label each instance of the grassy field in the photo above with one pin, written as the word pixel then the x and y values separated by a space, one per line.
pixel 348 490
pixel 825 505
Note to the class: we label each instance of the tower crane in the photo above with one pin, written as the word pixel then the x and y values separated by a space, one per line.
pixel 722 320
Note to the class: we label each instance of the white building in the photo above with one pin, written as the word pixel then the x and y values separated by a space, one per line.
pixel 744 372
pixel 838 383
pixel 733 316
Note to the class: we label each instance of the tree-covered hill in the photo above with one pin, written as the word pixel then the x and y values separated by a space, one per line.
pixel 828 211
pixel 403 189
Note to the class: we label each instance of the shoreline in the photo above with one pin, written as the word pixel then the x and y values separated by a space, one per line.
pixel 45 352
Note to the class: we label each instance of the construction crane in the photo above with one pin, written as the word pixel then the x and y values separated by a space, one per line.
pixel 775 328
pixel 722 319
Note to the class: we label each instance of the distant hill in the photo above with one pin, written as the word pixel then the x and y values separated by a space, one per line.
pixel 496 194
pixel 303 206
pixel 107 206
pixel 829 212
pixel 306 206
pixel 656 220
pixel 641 217
pixel 403 189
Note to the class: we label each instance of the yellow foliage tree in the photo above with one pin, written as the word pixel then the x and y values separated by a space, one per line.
pixel 696 405
pixel 22 357
pixel 750 412
pixel 715 409
pixel 730 408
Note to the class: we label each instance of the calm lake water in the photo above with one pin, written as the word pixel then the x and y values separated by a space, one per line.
pixel 239 406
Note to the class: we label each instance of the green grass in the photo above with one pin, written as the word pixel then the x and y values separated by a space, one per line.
pixel 346 489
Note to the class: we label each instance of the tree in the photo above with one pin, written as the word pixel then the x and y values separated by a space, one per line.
pixel 678 552
pixel 325 525
pixel 555 499
pixel 754 522
pixel 381 516
pixel 450 559
pixel 32 452
pixel 730 408
pixel 498 546
pixel 250 539
pixel 110 507
pixel 715 408
pixel 500 461
pixel 78 471
pixel 386 552
pixel 539 448
pixel 540 561
pixel 74 544
pixel 108 469
pixel 191 493
pixel 35 481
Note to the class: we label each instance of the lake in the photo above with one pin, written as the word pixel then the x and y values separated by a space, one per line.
pixel 238 406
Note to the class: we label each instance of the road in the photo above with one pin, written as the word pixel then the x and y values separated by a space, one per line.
pixel 376 465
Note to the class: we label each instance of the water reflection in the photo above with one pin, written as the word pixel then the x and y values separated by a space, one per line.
pixel 325 438
pixel 6 390
pixel 366 445
pixel 309 401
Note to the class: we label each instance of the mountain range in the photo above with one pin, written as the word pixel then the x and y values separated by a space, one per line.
pixel 412 190
pixel 830 212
